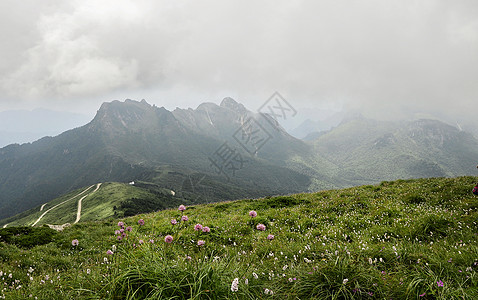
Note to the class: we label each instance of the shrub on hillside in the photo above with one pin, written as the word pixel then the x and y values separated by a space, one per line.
pixel 414 199
pixel 135 206
pixel 27 237
pixel 430 228
pixel 279 202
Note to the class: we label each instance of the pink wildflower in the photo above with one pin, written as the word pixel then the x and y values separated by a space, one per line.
pixel 119 237
pixel 141 242
pixel 184 218
pixel 182 208
pixel 168 239
pixel 201 242
pixel 141 222
pixel 109 252
pixel 198 227
pixel 253 213
pixel 440 283
pixel 120 224
pixel 174 222
pixel 129 228
pixel 117 232
pixel 270 237
pixel 206 229
pixel 261 227
pixel 74 242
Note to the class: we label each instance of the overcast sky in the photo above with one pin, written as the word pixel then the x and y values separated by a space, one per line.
pixel 382 56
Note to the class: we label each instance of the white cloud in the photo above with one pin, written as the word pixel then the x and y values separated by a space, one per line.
pixel 379 55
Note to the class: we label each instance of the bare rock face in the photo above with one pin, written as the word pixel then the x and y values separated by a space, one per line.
pixel 59 227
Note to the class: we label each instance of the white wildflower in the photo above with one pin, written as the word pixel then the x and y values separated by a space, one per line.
pixel 235 285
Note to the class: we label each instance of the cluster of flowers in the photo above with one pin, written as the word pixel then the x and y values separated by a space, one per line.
pixel 15 284
pixel 110 252
pixel 184 218
pixel 260 226
pixel 235 285
pixel 122 232
pixel 47 279
pixel 235 281
pixel 198 227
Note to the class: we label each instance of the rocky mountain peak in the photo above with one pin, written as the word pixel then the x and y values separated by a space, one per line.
pixel 232 104
pixel 130 114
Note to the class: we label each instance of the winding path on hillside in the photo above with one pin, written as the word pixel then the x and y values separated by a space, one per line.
pixel 42 207
pixel 78 213
pixel 61 204
pixel 5 226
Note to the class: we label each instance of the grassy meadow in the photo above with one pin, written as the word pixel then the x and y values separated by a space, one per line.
pixel 406 239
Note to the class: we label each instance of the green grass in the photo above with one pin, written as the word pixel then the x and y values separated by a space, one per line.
pixel 397 240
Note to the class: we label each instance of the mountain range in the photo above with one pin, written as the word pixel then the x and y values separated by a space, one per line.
pixel 224 152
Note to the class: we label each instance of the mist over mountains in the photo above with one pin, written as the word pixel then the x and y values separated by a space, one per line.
pixel 24 126
pixel 223 152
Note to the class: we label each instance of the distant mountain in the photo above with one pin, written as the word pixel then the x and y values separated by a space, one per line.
pixel 311 127
pixel 364 151
pixel 209 154
pixel 23 126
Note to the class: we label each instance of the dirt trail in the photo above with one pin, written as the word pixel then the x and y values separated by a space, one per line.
pixel 43 206
pixel 5 226
pixel 61 204
pixel 78 213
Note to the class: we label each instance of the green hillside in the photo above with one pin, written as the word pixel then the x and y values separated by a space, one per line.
pixel 110 200
pixel 405 239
